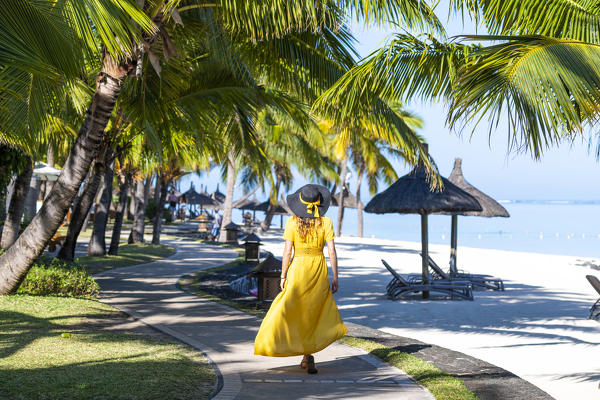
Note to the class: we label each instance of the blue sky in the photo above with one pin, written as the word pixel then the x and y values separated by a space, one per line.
pixel 567 172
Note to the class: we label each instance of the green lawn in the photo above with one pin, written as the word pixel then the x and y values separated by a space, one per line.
pixel 442 385
pixel 129 254
pixel 60 348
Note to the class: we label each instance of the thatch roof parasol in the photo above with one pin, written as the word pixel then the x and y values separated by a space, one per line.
pixel 412 194
pixel 246 204
pixel 193 197
pixel 218 196
pixel 491 208
pixel 350 200
pixel 264 205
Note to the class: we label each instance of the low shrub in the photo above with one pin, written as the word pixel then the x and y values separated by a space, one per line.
pixel 58 278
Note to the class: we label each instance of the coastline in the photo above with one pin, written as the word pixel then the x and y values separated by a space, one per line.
pixel 537 328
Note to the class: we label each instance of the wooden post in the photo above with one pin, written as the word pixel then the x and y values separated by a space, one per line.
pixel 453 243
pixel 425 252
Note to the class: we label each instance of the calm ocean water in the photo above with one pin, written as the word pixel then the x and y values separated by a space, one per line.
pixel 561 227
pixel 551 227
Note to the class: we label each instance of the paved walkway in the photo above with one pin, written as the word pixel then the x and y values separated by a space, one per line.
pixel 226 336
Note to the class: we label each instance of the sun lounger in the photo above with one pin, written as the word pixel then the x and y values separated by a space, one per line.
pixel 479 281
pixel 399 286
pixel 595 309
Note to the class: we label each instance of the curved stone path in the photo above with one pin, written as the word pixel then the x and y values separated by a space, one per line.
pixel 148 292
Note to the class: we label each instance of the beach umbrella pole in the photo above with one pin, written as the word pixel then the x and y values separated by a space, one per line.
pixel 425 252
pixel 453 243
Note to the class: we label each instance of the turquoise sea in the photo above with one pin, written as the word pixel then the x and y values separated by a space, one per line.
pixel 564 227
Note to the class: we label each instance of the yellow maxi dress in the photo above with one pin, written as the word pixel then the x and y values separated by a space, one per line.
pixel 303 318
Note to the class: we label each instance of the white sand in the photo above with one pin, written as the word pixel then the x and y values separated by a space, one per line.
pixel 537 329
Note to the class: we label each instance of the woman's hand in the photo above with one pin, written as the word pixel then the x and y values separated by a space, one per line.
pixel 334 285
pixel 281 283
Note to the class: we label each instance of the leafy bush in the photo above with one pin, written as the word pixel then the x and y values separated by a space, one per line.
pixel 151 208
pixel 60 279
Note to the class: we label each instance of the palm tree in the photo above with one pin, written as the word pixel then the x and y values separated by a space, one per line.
pixel 128 35
pixel 537 68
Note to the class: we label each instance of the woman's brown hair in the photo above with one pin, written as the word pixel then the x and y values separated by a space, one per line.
pixel 307 226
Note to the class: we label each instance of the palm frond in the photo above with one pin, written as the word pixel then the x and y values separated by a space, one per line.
pixel 549 89
pixel 567 19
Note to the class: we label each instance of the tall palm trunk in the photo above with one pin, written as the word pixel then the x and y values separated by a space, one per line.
pixel 82 207
pixel 160 209
pixel 17 205
pixel 343 188
pixel 140 196
pixel 124 180
pixel 266 224
pixel 97 245
pixel 228 206
pixel 359 212
pixel 16 261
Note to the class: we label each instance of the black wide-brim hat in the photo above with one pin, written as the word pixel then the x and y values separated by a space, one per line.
pixel 304 201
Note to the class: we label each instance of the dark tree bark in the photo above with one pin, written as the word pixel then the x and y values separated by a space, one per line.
pixel 159 211
pixel 266 224
pixel 82 208
pixel 16 261
pixel 124 180
pixel 140 196
pixel 97 245
pixel 131 202
pixel 31 199
pixel 12 224
pixel 156 197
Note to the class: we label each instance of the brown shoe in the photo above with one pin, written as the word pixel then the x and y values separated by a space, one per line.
pixel 311 369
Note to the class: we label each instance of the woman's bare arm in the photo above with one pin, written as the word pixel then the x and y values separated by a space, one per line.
pixel 334 265
pixel 285 261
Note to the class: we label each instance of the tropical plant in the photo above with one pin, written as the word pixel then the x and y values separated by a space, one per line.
pixel 537 68
pixel 127 36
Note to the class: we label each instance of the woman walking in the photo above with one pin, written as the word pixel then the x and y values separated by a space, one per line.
pixel 303 318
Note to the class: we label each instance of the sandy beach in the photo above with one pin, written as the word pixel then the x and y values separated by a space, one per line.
pixel 537 329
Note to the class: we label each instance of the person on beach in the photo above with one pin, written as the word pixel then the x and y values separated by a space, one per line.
pixel 216 229
pixel 304 319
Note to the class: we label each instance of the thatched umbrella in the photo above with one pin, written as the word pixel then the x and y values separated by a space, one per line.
pixel 491 208
pixel 247 204
pixel 218 196
pixel 350 200
pixel 412 194
pixel 279 210
pixel 194 198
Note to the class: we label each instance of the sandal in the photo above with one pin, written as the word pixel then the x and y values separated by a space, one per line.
pixel 311 369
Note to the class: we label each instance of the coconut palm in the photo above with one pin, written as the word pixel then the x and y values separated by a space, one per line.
pixel 537 68
pixel 129 34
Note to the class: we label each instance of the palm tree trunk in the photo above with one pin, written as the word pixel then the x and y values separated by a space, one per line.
pixel 160 209
pixel 82 207
pixel 157 189
pixel 31 199
pixel 10 232
pixel 359 212
pixel 228 206
pixel 340 215
pixel 266 224
pixel 125 179
pixel 141 194
pixel 16 261
pixel 97 245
